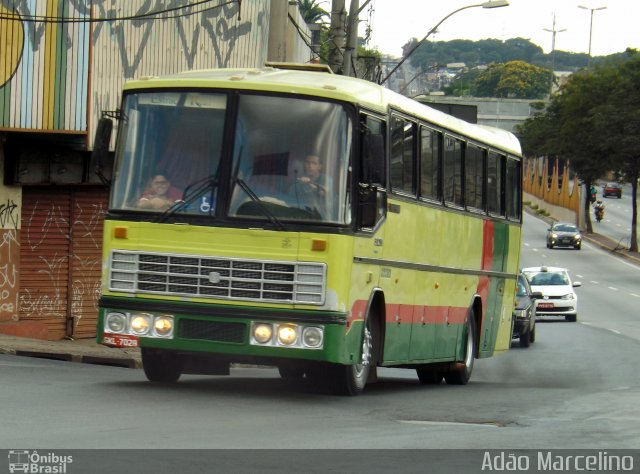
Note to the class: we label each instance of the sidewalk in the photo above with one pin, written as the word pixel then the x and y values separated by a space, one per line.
pixel 90 352
pixel 87 351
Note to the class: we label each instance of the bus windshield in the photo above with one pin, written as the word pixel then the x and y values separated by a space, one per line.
pixel 290 157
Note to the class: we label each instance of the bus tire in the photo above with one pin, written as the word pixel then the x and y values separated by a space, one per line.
pixel 350 380
pixel 461 375
pixel 161 366
pixel 525 338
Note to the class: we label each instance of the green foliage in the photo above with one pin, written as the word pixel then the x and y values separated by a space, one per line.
pixel 488 51
pixel 513 79
pixel 311 11
pixel 594 122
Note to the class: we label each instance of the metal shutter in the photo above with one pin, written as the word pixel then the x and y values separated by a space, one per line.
pixel 60 255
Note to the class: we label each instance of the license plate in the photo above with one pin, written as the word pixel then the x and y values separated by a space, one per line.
pixel 118 340
pixel 545 305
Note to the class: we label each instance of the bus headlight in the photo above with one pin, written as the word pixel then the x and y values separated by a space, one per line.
pixel 116 323
pixel 287 334
pixel 163 326
pixel 262 333
pixel 312 337
pixel 140 324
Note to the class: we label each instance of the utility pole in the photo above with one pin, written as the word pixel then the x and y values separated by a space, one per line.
pixel 342 55
pixel 554 32
pixel 337 34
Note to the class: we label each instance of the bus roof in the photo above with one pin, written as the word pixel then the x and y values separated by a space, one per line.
pixel 331 86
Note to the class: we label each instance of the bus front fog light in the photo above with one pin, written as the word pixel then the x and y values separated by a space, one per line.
pixel 262 333
pixel 287 334
pixel 140 323
pixel 163 326
pixel 312 337
pixel 116 323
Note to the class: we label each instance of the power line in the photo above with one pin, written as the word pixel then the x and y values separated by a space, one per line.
pixel 60 19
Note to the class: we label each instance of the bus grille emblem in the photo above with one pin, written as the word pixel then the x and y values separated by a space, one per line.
pixel 214 277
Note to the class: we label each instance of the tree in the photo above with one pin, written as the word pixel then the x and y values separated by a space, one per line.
pixel 311 11
pixel 594 121
pixel 618 123
pixel 514 79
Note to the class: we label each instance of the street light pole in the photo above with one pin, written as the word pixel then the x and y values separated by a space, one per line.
pixel 489 4
pixel 591 26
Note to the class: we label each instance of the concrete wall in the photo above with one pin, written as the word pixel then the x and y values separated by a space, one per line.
pixel 289 36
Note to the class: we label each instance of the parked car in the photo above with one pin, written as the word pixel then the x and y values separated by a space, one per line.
pixel 562 234
pixel 558 297
pixel 612 189
pixel 524 314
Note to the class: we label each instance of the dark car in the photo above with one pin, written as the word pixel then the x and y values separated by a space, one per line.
pixel 524 315
pixel 562 234
pixel 612 189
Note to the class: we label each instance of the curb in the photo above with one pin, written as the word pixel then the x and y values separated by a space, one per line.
pixel 82 351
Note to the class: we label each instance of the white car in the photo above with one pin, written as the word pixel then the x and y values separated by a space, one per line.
pixel 558 297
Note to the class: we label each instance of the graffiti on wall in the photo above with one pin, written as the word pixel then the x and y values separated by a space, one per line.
pixel 9 255
pixel 221 23
pixel 75 260
pixel 44 78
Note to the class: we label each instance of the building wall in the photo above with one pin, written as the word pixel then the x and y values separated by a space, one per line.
pixel 60 76
pixel 10 206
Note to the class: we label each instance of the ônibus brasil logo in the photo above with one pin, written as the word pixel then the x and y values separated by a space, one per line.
pixel 24 460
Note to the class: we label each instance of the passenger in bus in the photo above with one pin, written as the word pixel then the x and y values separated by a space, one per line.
pixel 159 194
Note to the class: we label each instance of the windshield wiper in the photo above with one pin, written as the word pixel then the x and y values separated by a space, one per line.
pixel 192 192
pixel 254 197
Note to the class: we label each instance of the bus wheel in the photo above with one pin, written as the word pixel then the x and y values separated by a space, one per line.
pixel 161 366
pixel 351 379
pixel 461 375
pixel 429 377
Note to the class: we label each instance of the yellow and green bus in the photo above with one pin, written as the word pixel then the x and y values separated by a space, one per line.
pixel 317 223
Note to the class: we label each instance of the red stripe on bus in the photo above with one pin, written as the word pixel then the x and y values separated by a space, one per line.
pixel 408 314
pixel 487 245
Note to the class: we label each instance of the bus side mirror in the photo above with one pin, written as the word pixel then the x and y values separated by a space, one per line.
pixel 100 153
pixel 372 205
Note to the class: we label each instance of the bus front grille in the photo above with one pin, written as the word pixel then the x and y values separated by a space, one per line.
pixel 212 331
pixel 217 277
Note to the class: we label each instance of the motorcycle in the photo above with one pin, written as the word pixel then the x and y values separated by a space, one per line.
pixel 599 212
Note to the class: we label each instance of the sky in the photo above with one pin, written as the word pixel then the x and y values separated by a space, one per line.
pixel 615 28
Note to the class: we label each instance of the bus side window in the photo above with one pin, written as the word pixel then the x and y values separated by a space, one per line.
pixel 430 164
pixel 372 170
pixel 513 189
pixel 495 183
pixel 402 156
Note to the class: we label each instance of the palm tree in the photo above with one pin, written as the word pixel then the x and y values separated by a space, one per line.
pixel 311 11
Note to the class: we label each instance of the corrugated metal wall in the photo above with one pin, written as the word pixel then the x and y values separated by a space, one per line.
pixel 60 259
pixel 46 69
pixel 60 76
